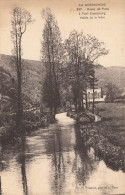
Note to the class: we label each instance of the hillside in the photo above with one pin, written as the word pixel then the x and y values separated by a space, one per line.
pixel 31 76
pixel 115 75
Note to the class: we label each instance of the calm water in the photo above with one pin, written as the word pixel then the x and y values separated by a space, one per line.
pixel 53 161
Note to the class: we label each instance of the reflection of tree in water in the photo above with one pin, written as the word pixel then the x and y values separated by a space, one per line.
pixel 58 167
pixel 85 162
pixel 0 187
pixel 10 151
pixel 6 154
pixel 67 164
pixel 21 160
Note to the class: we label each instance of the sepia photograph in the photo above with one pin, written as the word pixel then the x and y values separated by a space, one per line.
pixel 62 97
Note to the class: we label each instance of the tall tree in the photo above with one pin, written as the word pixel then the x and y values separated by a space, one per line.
pixel 51 58
pixel 19 22
pixel 83 51
pixel 93 84
pixel 94 49
pixel 74 50
pixel 112 92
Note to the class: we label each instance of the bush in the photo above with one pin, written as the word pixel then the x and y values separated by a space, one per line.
pixel 30 116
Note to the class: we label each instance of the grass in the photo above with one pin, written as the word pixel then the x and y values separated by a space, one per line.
pixel 107 136
pixel 112 125
pixel 111 110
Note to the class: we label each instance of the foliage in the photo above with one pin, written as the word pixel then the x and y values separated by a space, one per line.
pixel 93 84
pixel 81 51
pixel 19 21
pixel 31 81
pixel 7 90
pixel 112 92
pixel 51 58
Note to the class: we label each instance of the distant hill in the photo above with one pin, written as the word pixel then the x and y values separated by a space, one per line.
pixel 33 76
pixel 113 74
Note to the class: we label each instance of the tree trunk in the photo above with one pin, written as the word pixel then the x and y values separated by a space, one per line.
pixel 19 89
pixel 93 103
pixel 82 102
pixel 86 99
pixel 19 103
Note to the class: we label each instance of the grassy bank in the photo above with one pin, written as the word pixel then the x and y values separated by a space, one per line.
pixel 107 136
pixel 112 154
pixel 112 125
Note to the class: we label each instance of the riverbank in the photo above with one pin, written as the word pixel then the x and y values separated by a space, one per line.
pixel 107 136
pixel 113 154
pixel 56 154
pixel 112 123
pixel 82 117
pixel 31 121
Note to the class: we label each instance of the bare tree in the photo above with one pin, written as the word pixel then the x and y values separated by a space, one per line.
pixel 19 21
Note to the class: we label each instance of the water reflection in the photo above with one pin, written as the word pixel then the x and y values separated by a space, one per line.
pixel 58 165
pixel 0 187
pixel 54 160
pixel 21 160
pixel 85 154
pixel 70 165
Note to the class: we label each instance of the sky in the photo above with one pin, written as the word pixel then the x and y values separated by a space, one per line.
pixel 110 30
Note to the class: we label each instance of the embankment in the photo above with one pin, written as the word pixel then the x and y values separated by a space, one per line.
pixel 103 137
pixel 31 121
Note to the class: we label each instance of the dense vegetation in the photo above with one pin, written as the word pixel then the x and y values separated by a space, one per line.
pixel 32 91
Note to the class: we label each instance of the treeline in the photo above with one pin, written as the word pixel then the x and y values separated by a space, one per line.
pixel 68 66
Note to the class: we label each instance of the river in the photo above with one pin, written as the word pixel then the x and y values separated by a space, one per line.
pixel 53 161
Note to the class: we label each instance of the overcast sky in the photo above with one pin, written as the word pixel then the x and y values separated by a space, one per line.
pixel 110 30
